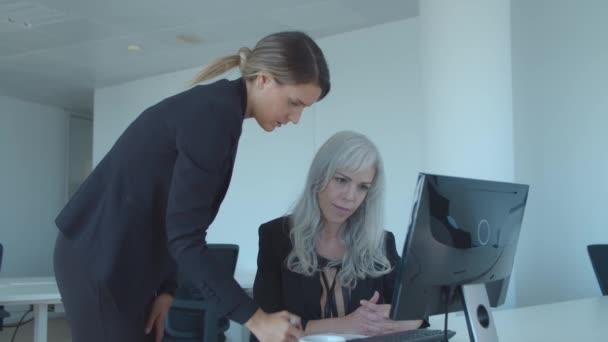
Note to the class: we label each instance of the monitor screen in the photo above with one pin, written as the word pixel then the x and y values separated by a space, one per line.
pixel 462 231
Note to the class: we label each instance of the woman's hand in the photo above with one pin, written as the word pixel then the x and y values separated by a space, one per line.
pixel 387 325
pixel 277 327
pixel 369 319
pixel 156 319
pixel 380 309
pixel 365 321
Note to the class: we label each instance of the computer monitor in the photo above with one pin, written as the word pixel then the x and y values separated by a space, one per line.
pixel 461 241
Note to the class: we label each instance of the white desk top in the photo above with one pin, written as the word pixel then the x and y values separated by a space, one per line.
pixel 571 321
pixel 30 290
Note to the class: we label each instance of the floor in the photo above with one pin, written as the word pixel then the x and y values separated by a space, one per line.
pixel 57 332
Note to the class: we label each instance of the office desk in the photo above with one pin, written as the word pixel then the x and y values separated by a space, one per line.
pixel 36 291
pixel 577 320
pixel 42 291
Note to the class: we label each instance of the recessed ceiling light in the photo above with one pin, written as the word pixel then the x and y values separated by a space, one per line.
pixel 134 48
pixel 188 38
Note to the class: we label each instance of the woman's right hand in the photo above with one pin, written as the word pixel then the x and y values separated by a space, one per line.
pixel 277 327
pixel 364 321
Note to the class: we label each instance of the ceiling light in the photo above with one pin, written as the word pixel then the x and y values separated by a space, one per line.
pixel 134 48
pixel 188 38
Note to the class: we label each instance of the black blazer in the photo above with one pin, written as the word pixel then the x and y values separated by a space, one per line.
pixel 276 288
pixel 151 199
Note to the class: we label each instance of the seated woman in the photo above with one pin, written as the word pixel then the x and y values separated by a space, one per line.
pixel 330 261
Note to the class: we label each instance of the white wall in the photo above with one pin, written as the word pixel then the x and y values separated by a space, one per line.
pixel 374 93
pixel 80 149
pixel 467 90
pixel 32 183
pixel 560 82
pixel 376 90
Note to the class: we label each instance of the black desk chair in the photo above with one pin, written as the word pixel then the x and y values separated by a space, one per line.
pixel 599 260
pixel 191 318
pixel 3 313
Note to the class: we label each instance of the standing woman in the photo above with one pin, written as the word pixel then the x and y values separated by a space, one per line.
pixel 147 205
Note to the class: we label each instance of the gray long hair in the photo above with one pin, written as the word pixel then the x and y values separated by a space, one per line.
pixel 362 233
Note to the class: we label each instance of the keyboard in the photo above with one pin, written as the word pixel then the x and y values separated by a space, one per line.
pixel 418 335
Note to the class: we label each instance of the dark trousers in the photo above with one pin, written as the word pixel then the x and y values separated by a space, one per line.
pixel 90 310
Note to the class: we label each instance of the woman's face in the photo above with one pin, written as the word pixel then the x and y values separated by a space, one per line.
pixel 344 194
pixel 275 105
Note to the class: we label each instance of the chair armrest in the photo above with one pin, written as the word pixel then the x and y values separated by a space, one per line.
pixel 210 319
pixel 3 314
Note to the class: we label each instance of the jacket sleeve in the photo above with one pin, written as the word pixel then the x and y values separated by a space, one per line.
pixel 169 285
pixel 203 144
pixel 267 287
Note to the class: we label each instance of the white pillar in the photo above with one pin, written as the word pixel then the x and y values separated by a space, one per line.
pixel 466 79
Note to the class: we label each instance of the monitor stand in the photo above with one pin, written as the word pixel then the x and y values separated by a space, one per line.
pixel 480 322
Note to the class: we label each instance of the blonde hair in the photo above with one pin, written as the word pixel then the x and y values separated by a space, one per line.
pixel 362 233
pixel 290 57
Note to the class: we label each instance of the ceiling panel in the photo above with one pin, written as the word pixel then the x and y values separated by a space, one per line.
pixel 135 16
pixel 35 88
pixel 48 68
pixel 29 14
pixel 317 16
pixel 222 31
pixel 104 51
pixel 384 10
pixel 79 30
pixel 71 46
pixel 226 10
pixel 110 73
pixel 24 41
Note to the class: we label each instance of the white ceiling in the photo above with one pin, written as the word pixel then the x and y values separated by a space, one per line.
pixel 57 51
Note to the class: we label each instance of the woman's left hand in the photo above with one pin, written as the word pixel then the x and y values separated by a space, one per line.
pixel 381 309
pixel 389 325
pixel 159 311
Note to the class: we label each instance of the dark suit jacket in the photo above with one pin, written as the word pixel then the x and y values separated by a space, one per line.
pixel 151 199
pixel 276 288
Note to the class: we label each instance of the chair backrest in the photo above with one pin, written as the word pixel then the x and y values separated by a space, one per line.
pixel 599 260
pixel 191 318
pixel 3 314
pixel 226 256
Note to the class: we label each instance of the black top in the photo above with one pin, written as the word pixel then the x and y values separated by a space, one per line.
pixel 151 199
pixel 277 288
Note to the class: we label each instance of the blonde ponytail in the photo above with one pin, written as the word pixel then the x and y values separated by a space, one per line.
pixel 290 57
pixel 222 65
